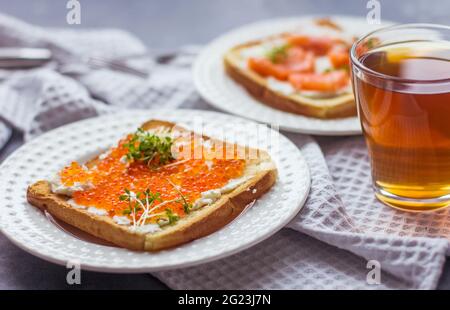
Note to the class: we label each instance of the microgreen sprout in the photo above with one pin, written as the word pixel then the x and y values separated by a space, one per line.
pixel 149 148
pixel 278 54
pixel 186 205
pixel 172 217
pixel 146 202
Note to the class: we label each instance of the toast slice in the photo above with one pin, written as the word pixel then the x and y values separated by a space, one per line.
pixel 325 107
pixel 258 176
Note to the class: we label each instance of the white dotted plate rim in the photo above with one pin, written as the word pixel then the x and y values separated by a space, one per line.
pixel 223 93
pixel 29 229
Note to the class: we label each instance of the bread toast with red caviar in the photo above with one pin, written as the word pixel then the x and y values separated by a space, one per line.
pixel 289 72
pixel 140 205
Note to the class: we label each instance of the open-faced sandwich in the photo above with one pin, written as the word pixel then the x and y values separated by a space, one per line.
pixel 157 188
pixel 305 71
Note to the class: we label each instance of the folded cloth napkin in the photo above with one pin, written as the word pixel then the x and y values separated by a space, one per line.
pixel 328 244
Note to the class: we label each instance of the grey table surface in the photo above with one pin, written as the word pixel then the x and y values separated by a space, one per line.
pixel 165 25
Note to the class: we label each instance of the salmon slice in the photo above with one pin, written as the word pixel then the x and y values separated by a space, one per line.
pixel 325 82
pixel 320 46
pixel 299 60
pixel 339 56
pixel 295 60
pixel 265 67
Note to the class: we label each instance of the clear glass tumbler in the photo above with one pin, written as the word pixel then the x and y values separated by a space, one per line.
pixel 401 81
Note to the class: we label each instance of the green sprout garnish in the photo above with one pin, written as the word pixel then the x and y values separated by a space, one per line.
pixel 372 42
pixel 138 202
pixel 278 53
pixel 145 202
pixel 149 148
pixel 186 205
pixel 172 217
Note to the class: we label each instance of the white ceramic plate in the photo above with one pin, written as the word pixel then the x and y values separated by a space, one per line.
pixel 41 158
pixel 222 92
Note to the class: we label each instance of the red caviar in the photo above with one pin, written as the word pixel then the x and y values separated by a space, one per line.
pixel 111 175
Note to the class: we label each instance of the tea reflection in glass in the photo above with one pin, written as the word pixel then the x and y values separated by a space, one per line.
pixel 401 80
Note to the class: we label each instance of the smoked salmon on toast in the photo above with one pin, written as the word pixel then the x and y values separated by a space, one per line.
pixel 298 72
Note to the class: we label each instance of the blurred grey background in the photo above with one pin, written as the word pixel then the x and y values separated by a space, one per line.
pixel 165 25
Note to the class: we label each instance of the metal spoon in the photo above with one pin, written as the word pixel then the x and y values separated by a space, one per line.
pixel 23 57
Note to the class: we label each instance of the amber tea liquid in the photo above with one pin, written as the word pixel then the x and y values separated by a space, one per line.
pixel 406 121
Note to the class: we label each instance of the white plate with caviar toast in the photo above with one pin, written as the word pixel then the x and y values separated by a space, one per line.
pixel 293 72
pixel 150 190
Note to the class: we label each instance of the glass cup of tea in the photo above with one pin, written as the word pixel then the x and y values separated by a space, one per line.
pixel 401 82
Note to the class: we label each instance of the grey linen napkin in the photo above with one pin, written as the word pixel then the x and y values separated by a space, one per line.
pixel 327 245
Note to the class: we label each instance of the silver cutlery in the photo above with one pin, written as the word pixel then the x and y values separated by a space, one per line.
pixel 21 57
pixel 24 58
